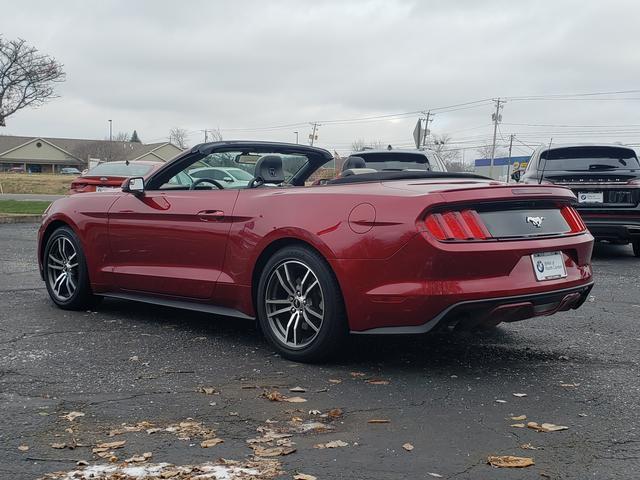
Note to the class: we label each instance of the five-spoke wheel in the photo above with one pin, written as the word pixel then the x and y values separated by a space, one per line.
pixel 300 307
pixel 65 271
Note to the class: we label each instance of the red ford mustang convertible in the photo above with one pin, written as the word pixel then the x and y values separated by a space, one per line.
pixel 398 251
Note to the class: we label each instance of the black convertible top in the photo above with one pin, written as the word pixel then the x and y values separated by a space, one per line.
pixel 404 175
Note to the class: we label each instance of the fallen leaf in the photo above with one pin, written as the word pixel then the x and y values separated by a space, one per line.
pixel 303 476
pixel 82 463
pixel 295 399
pixel 110 445
pixel 314 412
pixel 208 390
pixel 335 380
pixel 298 390
pixel 431 474
pixel 518 425
pixel 71 416
pixel 211 442
pixel 139 458
pixel 519 395
pixel 519 417
pixel 274 396
pixel 501 401
pixel 334 413
pixel 23 448
pixel 134 359
pixel 379 420
pixel 357 374
pixel 509 461
pixel 408 447
pixel 569 385
pixel 528 446
pixel 272 452
pixel 59 446
pixel 377 381
pixel 546 427
pixel 333 444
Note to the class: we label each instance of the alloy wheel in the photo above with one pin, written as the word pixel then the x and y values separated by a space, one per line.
pixel 294 304
pixel 62 269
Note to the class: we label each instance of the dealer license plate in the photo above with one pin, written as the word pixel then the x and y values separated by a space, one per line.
pixel 548 265
pixel 590 197
pixel 106 189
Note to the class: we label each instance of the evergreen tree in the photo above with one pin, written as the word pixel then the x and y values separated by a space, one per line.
pixel 135 138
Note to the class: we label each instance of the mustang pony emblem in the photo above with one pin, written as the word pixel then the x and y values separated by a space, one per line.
pixel 535 221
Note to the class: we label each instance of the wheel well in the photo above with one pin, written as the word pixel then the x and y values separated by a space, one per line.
pixel 266 255
pixel 52 227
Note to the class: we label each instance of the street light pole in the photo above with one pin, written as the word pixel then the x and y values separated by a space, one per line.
pixel 296 137
pixel 110 130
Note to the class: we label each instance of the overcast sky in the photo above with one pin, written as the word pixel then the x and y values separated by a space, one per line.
pixel 243 65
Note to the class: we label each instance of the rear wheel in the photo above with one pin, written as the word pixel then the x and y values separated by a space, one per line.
pixel 300 307
pixel 65 271
pixel 636 248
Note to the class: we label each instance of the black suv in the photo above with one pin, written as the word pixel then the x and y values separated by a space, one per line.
pixel 604 178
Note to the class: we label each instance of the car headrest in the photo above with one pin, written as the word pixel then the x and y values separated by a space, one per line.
pixel 354 162
pixel 357 171
pixel 269 170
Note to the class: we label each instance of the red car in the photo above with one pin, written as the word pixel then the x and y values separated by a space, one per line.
pixel 108 176
pixel 377 253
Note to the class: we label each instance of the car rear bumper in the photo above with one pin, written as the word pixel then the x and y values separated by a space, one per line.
pixel 614 227
pixel 425 284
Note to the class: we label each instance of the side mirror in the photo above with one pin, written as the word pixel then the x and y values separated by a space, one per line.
pixel 516 175
pixel 133 185
pixel 228 179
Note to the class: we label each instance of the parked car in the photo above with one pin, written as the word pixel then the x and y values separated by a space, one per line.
pixel 232 177
pixel 70 171
pixel 604 178
pixel 108 176
pixel 16 170
pixel 374 253
pixel 395 160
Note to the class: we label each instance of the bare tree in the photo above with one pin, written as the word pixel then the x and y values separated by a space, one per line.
pixel 178 136
pixel 121 137
pixel 214 135
pixel 360 144
pixel 27 77
pixel 485 151
pixel 441 144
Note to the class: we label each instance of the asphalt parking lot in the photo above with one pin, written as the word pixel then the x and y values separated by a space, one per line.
pixel 450 396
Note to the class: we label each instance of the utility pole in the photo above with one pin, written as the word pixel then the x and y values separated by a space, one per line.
pixel 206 137
pixel 496 117
pixel 509 164
pixel 426 128
pixel 296 137
pixel 110 130
pixel 313 137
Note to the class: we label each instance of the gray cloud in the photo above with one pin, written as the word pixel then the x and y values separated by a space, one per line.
pixel 151 65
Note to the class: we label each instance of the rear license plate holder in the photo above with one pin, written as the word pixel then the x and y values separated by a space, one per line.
pixel 548 266
pixel 590 197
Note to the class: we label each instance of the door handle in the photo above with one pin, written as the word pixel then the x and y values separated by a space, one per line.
pixel 209 215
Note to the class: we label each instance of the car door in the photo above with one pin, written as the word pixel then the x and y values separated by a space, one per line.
pixel 170 242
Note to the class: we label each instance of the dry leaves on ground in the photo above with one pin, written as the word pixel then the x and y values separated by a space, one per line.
pixel 71 416
pixel 211 442
pixel 23 448
pixel 357 374
pixel 377 381
pixel 277 451
pixel 334 413
pixel 303 476
pixel 528 446
pixel 436 475
pixel 335 381
pixel 139 458
pixel 208 391
pixel 272 443
pixel 333 444
pixel 519 395
pixel 546 427
pixel 408 447
pixel 298 390
pixel 276 396
pixel 59 446
pixel 519 418
pixel 509 461
pixel 227 469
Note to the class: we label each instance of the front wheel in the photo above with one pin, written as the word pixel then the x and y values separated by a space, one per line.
pixel 636 248
pixel 300 306
pixel 65 271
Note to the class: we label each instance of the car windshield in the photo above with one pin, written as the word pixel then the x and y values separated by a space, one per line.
pixel 120 169
pixel 395 161
pixel 590 158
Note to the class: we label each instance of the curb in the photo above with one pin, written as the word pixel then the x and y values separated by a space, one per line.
pixel 18 218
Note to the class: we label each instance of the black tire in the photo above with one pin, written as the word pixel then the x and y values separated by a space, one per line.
pixel 332 330
pixel 636 248
pixel 82 297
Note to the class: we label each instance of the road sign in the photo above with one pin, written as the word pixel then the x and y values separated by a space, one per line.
pixel 419 134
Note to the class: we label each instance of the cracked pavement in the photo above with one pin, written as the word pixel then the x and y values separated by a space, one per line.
pixel 129 362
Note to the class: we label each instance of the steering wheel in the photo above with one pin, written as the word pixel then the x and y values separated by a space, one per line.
pixel 208 180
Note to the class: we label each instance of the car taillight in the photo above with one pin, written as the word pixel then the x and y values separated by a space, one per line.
pixel 573 219
pixel 457 225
